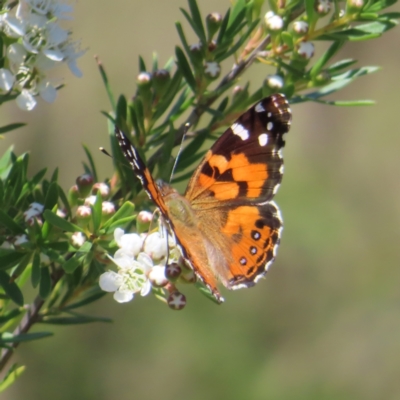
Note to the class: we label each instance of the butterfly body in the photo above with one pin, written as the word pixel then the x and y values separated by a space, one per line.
pixel 225 224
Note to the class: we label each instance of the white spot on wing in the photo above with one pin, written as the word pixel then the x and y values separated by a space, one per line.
pixel 275 189
pixel 263 139
pixel 259 108
pixel 240 131
pixel 270 125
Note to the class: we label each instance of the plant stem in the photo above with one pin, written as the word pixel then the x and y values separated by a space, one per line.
pixel 31 317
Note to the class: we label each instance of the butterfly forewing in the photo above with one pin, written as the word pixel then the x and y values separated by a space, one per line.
pixel 140 170
pixel 245 163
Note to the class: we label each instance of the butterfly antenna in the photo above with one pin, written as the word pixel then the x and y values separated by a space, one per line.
pixel 187 125
pixel 104 151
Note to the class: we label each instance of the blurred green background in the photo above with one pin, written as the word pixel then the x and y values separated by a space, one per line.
pixel 325 324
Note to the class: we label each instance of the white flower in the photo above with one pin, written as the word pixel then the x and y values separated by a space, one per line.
pixel 131 278
pixel 212 69
pixel 16 53
pixel 155 246
pixel 47 92
pixel 34 210
pixel 77 239
pixel 130 243
pixel 26 101
pixel 20 239
pixel 42 43
pixel 7 79
pixel 306 50
pixel 274 22
pixel 275 81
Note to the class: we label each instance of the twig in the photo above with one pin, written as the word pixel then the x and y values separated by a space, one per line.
pixel 31 317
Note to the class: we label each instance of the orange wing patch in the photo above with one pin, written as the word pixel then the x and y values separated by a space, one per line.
pixel 255 234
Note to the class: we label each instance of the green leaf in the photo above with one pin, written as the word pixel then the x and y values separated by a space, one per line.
pixel 10 315
pixel 206 292
pixel 9 223
pixel 191 150
pixel 73 263
pixel 106 84
pixel 11 289
pixel 195 20
pixel 91 163
pixel 142 65
pixel 184 67
pixel 61 223
pixel 91 296
pixel 126 210
pixel 9 258
pixel 333 49
pixel 224 25
pixel 11 127
pixel 361 32
pixel 51 196
pixel 12 375
pixel 45 283
pixel 119 223
pixel 122 107
pixel 23 337
pixel 379 5
pixel 97 212
pixel 166 100
pixel 346 103
pixel 80 319
pixel 342 64
pixel 64 200
pixel 36 273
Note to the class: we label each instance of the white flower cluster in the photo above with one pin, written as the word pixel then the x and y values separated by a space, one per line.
pixel 37 44
pixel 140 262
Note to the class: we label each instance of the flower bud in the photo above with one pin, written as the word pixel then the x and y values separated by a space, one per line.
pixel 173 271
pixel 101 187
pixel 323 7
pixel 273 22
pixel 176 301
pixel 157 276
pixel 143 221
pixel 73 195
pixel 300 27
pixel 83 214
pixel 161 79
pixel 213 22
pixel 84 183
pixel 274 82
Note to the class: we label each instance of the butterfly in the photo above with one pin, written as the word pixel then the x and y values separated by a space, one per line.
pixel 226 224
